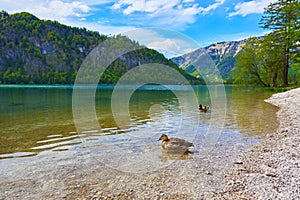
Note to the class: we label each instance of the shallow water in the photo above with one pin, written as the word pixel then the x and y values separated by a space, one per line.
pixel 45 153
pixel 38 119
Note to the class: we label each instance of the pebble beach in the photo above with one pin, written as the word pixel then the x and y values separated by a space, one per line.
pixel 271 170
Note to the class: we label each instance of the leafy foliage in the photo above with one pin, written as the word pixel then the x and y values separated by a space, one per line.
pixel 283 17
pixel 259 63
pixel 248 63
pixel 273 60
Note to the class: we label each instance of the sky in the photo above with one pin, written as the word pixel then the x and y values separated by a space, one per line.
pixel 203 22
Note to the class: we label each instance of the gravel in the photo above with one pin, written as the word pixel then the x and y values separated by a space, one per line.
pixel 271 170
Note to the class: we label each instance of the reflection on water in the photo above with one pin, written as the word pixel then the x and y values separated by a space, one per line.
pixel 248 111
pixel 180 155
pixel 34 120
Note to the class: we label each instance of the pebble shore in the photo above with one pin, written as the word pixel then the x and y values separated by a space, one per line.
pixel 271 170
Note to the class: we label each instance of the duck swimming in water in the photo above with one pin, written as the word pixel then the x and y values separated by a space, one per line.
pixel 203 108
pixel 175 144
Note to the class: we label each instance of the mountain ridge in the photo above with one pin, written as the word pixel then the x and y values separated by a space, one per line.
pixel 221 53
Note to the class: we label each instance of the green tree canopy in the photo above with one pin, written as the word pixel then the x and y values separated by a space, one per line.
pixel 283 17
pixel 259 62
pixel 248 64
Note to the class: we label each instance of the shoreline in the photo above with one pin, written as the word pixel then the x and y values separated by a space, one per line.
pixel 271 169
pixel 233 170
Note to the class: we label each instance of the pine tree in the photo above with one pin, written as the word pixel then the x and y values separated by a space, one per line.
pixel 283 17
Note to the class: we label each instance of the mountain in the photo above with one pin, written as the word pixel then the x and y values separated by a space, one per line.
pixel 220 56
pixel 46 52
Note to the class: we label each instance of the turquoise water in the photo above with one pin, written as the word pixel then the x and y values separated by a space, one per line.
pixel 35 119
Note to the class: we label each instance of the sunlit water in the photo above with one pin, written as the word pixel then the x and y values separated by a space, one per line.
pixel 38 120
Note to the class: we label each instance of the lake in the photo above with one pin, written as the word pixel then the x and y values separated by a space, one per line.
pixel 38 120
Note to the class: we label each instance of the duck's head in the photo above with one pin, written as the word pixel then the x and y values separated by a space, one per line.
pixel 163 137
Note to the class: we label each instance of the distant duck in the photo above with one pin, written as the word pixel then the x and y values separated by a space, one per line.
pixel 203 108
pixel 175 145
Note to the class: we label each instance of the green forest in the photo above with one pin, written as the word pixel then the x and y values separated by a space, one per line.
pixel 273 60
pixel 35 51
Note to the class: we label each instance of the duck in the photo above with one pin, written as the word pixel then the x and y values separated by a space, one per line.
pixel 175 145
pixel 203 108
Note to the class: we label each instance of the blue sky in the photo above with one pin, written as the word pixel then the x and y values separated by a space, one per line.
pixel 204 21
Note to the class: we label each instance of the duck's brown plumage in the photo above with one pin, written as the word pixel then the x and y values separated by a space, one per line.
pixel 174 143
pixel 203 108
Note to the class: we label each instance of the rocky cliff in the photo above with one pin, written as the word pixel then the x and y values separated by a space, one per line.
pixel 221 54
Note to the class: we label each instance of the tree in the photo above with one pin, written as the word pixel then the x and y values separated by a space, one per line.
pixel 259 63
pixel 272 60
pixel 283 17
pixel 247 69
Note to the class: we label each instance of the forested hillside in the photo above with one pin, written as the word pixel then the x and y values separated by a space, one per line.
pixel 35 51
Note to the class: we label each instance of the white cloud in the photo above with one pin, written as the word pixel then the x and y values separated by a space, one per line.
pixel 149 6
pixel 103 29
pixel 53 9
pixel 212 6
pixel 170 43
pixel 153 13
pixel 165 45
pixel 94 2
pixel 63 11
pixel 174 13
pixel 250 7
